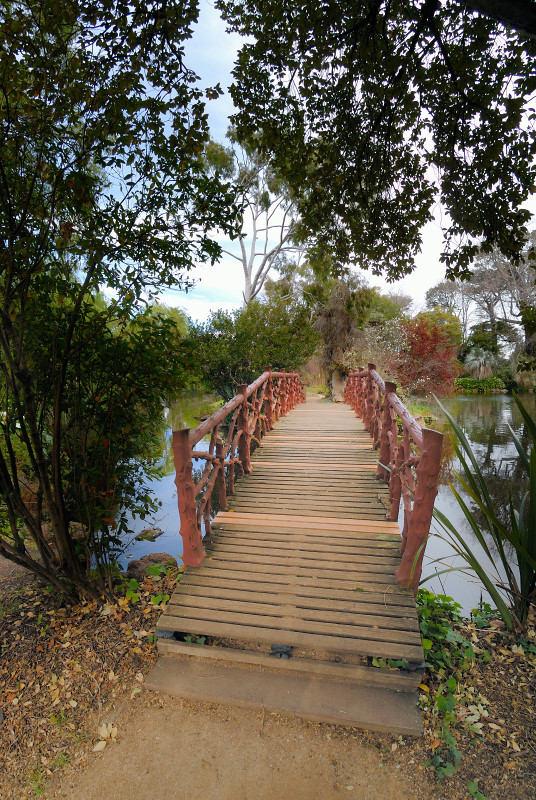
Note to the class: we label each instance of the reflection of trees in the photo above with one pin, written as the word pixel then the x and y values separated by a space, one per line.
pixel 189 409
pixel 485 421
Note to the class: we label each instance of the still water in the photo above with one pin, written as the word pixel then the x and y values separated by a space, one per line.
pixel 186 413
pixel 483 418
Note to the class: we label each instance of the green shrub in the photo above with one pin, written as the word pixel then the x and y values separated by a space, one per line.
pixel 479 385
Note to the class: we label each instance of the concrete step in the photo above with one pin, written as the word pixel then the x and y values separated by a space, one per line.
pixel 311 697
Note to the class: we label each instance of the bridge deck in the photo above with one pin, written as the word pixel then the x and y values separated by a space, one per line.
pixel 305 557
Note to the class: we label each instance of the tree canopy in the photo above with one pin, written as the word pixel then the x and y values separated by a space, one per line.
pixel 365 105
pixel 102 185
pixel 236 347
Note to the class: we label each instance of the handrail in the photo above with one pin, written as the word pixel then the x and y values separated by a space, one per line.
pixel 254 410
pixel 413 477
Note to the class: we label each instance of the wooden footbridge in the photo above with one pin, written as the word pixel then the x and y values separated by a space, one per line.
pixel 298 591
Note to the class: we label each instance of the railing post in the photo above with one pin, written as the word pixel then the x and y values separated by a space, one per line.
pixel 283 393
pixel 243 425
pixel 269 400
pixel 371 390
pixel 385 448
pixel 222 489
pixel 395 483
pixel 303 395
pixel 361 396
pixel 409 572
pixel 193 550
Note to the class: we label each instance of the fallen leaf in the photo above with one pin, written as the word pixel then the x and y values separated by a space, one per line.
pixel 99 746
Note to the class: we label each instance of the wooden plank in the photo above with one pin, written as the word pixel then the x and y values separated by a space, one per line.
pixel 369 511
pixel 301 578
pixel 332 643
pixel 395 680
pixel 300 465
pixel 278 499
pixel 299 614
pixel 267 533
pixel 394 599
pixel 334 509
pixel 358 602
pixel 293 566
pixel 384 560
pixel 381 526
pixel 293 623
pixel 316 544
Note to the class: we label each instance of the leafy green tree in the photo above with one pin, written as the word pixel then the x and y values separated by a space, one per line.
pixel 102 184
pixel 338 308
pixel 454 297
pixel 384 307
pixel 357 101
pixel 236 347
pixel 491 338
pixel 446 322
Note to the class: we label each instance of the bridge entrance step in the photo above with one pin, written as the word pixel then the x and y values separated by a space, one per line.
pixel 354 698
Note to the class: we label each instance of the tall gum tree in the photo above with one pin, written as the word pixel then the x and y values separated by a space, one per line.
pixel 365 104
pixel 268 214
pixel 102 129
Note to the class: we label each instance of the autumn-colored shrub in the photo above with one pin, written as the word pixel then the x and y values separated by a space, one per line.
pixel 426 361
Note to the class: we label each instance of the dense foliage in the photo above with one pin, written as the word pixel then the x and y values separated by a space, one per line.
pixel 479 385
pixel 426 359
pixel 235 348
pixel 101 185
pixel 357 101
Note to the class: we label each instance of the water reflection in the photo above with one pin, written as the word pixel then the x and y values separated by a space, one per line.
pixel 186 413
pixel 484 420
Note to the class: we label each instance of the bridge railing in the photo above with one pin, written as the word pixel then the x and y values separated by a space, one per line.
pixel 409 460
pixel 250 414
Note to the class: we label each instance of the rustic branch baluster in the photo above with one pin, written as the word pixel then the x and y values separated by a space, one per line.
pixel 428 468
pixel 413 477
pixel 269 401
pixel 222 490
pixel 193 550
pixel 283 394
pixel 386 425
pixel 243 425
pixel 251 414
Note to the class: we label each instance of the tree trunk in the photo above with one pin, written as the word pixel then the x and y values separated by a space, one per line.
pixel 338 383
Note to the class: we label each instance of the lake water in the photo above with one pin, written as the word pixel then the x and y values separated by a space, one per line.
pixel 186 413
pixel 484 419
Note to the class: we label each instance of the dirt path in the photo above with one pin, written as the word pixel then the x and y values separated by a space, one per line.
pixel 169 748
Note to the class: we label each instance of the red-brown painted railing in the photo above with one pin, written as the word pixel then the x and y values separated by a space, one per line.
pixel 410 463
pixel 256 408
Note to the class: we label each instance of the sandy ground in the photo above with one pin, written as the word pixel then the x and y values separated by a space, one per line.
pixel 168 748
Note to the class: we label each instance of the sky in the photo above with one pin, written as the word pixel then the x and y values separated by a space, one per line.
pixel 211 53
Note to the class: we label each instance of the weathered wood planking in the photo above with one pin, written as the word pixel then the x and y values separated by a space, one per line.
pixel 305 556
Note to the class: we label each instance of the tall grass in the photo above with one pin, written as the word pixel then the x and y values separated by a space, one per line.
pixel 510 545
